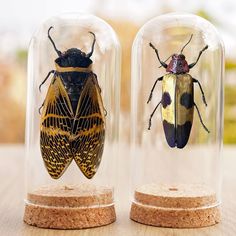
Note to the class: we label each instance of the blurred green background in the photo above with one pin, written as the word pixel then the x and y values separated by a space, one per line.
pixel 18 23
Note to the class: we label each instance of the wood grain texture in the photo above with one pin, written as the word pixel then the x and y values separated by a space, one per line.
pixel 12 204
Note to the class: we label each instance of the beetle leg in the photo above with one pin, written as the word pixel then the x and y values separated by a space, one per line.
pixel 203 95
pixel 199 115
pixel 153 87
pixel 199 55
pixel 156 51
pixel 150 119
pixel 52 71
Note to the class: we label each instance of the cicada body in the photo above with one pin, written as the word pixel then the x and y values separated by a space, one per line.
pixel 73 117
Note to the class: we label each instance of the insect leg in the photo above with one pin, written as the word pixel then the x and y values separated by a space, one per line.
pixel 199 55
pixel 150 119
pixel 199 115
pixel 153 87
pixel 41 108
pixel 94 40
pixel 53 44
pixel 156 51
pixel 203 95
pixel 52 71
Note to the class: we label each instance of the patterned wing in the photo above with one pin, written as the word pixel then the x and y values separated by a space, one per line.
pixel 55 130
pixel 89 129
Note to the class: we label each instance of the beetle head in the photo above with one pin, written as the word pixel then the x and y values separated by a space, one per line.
pixel 178 64
pixel 73 57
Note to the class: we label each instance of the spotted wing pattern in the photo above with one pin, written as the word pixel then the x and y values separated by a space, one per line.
pixel 184 109
pixel 168 108
pixel 56 129
pixel 89 129
pixel 177 108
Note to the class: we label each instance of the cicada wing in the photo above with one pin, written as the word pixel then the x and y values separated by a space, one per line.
pixel 89 128
pixel 55 130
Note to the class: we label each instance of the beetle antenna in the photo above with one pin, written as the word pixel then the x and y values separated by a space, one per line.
pixel 165 61
pixel 156 51
pixel 94 40
pixel 58 52
pixel 186 44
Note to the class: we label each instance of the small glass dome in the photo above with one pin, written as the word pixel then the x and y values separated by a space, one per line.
pixel 176 122
pixel 72 123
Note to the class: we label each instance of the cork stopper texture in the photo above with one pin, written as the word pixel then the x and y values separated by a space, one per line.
pixel 176 206
pixel 70 207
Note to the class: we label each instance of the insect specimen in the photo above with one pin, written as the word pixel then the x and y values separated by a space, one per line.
pixel 177 98
pixel 73 115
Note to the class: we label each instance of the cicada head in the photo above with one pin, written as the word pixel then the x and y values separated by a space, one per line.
pixel 73 57
pixel 178 64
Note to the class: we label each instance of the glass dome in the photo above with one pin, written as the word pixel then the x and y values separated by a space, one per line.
pixel 72 123
pixel 176 122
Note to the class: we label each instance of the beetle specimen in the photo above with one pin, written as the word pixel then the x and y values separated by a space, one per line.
pixel 73 117
pixel 177 98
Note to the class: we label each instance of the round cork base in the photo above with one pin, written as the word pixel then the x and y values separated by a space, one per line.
pixel 179 206
pixel 70 207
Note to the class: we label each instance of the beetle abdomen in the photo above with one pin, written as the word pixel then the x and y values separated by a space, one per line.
pixel 177 108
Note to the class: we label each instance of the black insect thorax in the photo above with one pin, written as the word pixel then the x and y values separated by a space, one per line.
pixel 74 83
pixel 73 66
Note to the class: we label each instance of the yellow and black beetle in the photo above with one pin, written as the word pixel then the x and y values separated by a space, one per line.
pixel 73 115
pixel 177 98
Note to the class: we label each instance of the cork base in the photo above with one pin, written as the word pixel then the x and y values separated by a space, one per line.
pixel 70 207
pixel 182 206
